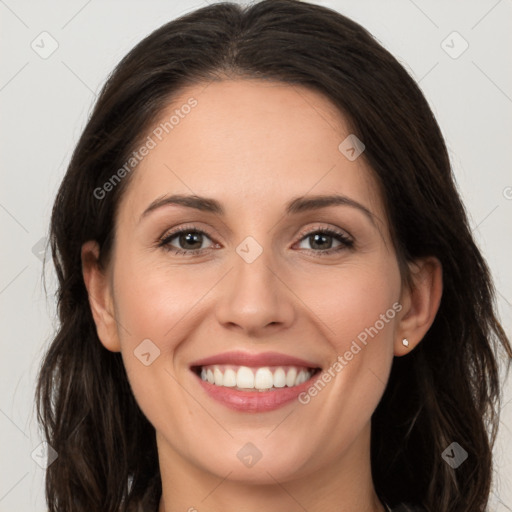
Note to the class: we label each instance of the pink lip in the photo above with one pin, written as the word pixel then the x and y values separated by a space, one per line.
pixel 254 401
pixel 240 358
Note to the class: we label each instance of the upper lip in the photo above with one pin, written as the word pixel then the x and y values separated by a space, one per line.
pixel 240 358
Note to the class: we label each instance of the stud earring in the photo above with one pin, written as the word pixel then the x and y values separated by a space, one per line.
pixel 405 342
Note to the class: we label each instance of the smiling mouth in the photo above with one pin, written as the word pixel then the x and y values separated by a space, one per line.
pixel 245 378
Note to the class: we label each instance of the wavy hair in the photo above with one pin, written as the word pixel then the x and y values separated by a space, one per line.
pixel 447 389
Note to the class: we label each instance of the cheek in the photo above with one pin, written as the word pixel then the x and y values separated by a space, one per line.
pixel 356 302
pixel 153 301
pixel 358 312
pixel 154 306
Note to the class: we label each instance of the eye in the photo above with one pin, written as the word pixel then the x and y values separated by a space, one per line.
pixel 190 241
pixel 321 239
pixel 189 238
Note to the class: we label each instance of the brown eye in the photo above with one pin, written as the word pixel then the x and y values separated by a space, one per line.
pixel 193 239
pixel 189 241
pixel 321 241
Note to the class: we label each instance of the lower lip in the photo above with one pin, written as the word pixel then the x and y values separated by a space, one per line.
pixel 255 401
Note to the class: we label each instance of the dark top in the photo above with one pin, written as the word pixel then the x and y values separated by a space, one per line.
pixel 404 507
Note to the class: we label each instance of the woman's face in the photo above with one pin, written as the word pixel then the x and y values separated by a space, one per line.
pixel 261 283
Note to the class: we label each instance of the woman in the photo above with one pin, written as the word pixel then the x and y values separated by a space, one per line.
pixel 256 369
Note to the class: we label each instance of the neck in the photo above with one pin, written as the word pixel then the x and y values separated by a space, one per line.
pixel 345 484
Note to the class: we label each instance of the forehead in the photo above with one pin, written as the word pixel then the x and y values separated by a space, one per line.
pixel 250 144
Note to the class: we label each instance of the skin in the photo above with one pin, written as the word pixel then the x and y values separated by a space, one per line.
pixel 253 146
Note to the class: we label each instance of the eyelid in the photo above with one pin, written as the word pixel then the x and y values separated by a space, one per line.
pixel 164 240
pixel 172 233
pixel 334 230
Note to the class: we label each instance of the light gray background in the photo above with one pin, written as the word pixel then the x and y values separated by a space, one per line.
pixel 45 104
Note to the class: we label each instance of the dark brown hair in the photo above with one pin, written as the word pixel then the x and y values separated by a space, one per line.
pixel 446 390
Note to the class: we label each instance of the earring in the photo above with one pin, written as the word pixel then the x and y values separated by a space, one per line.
pixel 405 342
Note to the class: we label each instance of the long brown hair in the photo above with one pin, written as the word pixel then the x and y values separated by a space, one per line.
pixel 447 390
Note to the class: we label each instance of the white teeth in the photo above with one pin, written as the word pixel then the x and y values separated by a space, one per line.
pixel 261 379
pixel 244 377
pixel 279 378
pixel 290 377
pixel 302 377
pixel 218 377
pixel 229 378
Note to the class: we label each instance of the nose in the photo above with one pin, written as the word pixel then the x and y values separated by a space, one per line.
pixel 255 298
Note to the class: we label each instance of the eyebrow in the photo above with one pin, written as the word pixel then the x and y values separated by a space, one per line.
pixel 296 205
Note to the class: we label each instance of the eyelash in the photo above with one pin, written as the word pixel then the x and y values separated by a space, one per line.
pixel 346 242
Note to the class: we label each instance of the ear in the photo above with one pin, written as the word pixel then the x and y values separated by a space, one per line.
pixel 420 303
pixel 100 297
